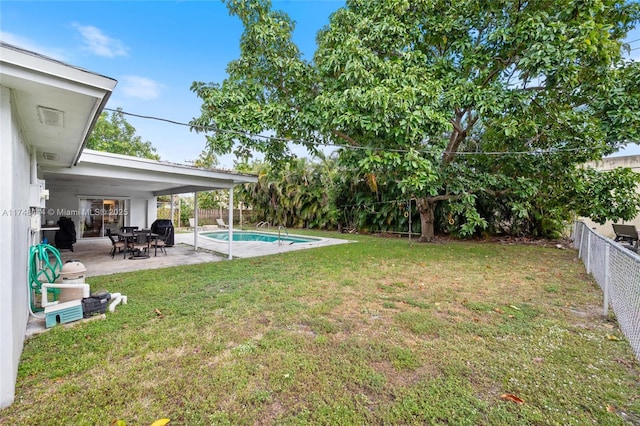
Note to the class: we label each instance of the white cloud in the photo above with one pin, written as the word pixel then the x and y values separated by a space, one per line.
pixel 99 43
pixel 25 43
pixel 134 86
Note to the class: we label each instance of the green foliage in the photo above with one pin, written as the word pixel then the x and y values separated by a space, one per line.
pixel 297 194
pixel 478 105
pixel 206 160
pixel 114 134
pixel 609 195
pixel 186 210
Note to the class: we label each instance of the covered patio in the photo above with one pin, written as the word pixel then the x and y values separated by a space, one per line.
pixel 132 184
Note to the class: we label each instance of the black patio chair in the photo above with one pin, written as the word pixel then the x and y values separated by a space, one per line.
pixel 117 244
pixel 142 243
pixel 161 241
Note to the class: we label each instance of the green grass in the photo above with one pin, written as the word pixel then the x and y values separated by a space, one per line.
pixel 376 332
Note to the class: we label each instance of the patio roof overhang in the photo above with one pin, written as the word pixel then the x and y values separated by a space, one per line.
pixel 114 175
pixel 56 104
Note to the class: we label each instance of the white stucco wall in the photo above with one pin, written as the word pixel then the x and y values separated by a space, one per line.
pixel 141 208
pixel 138 214
pixel 14 245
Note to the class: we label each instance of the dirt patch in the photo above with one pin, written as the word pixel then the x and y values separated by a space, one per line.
pixel 561 243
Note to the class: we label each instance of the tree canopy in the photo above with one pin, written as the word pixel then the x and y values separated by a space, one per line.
pixel 114 134
pixel 491 107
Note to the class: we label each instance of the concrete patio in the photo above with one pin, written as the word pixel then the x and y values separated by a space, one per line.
pixel 94 254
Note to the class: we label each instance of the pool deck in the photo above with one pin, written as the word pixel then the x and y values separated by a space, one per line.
pixel 93 253
pixel 243 249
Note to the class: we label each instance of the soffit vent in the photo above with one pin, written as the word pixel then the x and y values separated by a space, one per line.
pixel 50 116
pixel 50 156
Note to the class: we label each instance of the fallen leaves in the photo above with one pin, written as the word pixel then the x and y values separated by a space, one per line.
pixel 512 398
pixel 159 313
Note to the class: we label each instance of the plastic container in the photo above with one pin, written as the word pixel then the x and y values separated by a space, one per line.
pixel 72 272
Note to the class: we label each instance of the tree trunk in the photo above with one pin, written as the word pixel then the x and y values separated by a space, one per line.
pixel 427 207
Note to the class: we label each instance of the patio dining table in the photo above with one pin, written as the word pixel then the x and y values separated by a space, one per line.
pixel 130 238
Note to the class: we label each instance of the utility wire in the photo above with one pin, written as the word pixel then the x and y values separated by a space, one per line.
pixel 342 146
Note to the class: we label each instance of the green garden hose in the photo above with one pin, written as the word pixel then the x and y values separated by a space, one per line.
pixel 41 269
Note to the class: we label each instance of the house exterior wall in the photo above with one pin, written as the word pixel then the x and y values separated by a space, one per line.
pixel 15 228
pixel 64 202
pixel 138 213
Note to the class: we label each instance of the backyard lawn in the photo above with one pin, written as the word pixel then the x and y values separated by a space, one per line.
pixel 375 332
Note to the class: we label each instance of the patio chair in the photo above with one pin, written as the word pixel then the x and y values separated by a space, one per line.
pixel 142 243
pixel 627 235
pixel 117 244
pixel 161 241
pixel 221 223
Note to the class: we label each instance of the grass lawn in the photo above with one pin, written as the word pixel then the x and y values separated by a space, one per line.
pixel 375 332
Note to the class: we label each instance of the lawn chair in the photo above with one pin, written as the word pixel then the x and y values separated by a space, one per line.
pixel 627 235
pixel 221 223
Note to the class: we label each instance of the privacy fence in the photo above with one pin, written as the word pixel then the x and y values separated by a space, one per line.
pixel 616 269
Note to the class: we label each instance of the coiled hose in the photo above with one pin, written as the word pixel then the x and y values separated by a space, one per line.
pixel 41 269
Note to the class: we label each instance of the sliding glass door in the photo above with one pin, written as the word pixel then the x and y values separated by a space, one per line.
pixel 98 215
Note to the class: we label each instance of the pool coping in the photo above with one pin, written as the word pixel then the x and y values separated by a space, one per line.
pixel 246 249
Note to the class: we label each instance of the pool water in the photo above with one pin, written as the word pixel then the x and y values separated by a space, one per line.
pixel 256 236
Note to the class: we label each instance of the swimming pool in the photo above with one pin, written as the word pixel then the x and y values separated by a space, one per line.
pixel 253 236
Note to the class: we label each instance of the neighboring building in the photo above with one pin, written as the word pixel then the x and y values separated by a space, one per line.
pixel 47 111
pixel 609 163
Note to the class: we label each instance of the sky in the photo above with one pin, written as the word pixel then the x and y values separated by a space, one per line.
pixel 156 50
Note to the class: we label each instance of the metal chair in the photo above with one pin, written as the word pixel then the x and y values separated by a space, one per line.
pixel 142 243
pixel 117 244
pixel 161 241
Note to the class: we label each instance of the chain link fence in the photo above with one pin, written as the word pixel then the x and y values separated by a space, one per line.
pixel 616 269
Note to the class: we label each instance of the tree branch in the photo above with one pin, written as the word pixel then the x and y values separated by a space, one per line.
pixel 345 137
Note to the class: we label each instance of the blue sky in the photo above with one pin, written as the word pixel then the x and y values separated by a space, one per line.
pixel 156 49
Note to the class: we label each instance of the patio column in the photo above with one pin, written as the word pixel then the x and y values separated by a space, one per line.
pixel 195 218
pixel 230 222
pixel 172 209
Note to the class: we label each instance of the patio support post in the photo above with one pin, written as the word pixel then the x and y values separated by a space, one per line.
pixel 195 217
pixel 230 222
pixel 172 208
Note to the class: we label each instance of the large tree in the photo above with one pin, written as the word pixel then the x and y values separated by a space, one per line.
pixel 456 101
pixel 113 133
